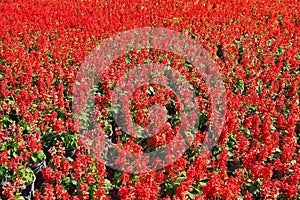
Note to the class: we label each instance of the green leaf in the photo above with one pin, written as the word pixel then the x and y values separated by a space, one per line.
pixel 192 196
pixel 15 154
pixel 107 181
pixel 151 89
pixel 240 84
pixel 41 155
pixel 67 180
pixel 197 189
pixel 74 182
pixel 34 159
pixel 202 183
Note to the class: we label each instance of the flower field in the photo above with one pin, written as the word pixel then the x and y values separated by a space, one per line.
pixel 45 153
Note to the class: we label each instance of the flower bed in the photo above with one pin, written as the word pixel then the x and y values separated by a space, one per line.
pixel 254 45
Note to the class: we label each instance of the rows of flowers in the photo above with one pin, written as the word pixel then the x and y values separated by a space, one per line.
pixel 254 44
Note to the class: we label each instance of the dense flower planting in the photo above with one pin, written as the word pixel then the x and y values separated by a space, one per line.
pixel 255 45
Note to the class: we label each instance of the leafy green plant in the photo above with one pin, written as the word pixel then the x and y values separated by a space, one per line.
pixel 25 173
pixel 37 158
pixel 68 140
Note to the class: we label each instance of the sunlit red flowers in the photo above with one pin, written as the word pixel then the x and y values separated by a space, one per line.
pixel 255 46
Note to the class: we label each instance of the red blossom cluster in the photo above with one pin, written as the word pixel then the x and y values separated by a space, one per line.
pixel 255 46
